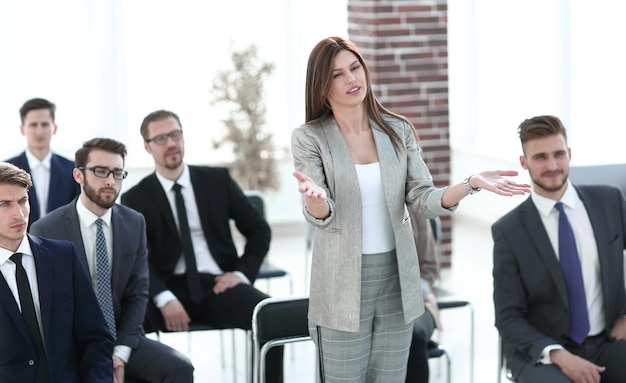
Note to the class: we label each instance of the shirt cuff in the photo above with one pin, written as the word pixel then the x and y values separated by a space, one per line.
pixel 243 276
pixel 122 352
pixel 544 358
pixel 162 298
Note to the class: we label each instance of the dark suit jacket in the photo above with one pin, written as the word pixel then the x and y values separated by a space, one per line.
pixel 63 187
pixel 77 338
pixel 129 276
pixel 219 200
pixel 529 292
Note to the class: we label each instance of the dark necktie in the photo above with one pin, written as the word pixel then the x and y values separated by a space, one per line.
pixel 30 317
pixel 572 274
pixel 193 278
pixel 103 279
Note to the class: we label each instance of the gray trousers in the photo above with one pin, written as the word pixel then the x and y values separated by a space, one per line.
pixel 379 351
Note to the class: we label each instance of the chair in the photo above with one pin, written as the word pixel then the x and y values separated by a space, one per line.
pixel 436 350
pixel 502 364
pixel 276 322
pixel 267 272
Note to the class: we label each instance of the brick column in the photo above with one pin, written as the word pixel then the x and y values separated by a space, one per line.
pixel 405 44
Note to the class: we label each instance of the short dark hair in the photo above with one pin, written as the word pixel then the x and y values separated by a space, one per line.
pixel 12 175
pixel 106 144
pixel 156 116
pixel 539 127
pixel 36 104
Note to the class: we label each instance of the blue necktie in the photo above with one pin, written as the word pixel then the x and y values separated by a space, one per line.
pixel 573 276
pixel 103 279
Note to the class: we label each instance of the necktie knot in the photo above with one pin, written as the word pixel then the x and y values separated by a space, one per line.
pixel 177 187
pixel 560 207
pixel 16 258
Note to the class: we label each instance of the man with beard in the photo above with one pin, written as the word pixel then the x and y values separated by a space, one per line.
pixel 196 272
pixel 111 241
pixel 559 271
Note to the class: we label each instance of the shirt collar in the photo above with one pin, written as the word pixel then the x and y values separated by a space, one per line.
pixel 545 205
pixel 184 180
pixel 88 218
pixel 34 161
pixel 23 248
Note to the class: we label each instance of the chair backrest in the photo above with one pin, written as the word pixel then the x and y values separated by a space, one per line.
pixel 280 318
pixel 275 322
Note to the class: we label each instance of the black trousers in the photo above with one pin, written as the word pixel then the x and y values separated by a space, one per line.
pixel 230 309
pixel 417 369
pixel 599 350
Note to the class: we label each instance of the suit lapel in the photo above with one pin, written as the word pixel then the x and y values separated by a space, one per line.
pixel 345 180
pixel 44 280
pixel 7 300
pixel 72 227
pixel 388 160
pixel 538 236
pixel 119 231
pixel 156 192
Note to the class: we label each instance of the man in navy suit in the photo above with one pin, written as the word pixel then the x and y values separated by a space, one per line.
pixel 100 173
pixel 532 296
pixel 218 286
pixel 55 332
pixel 51 174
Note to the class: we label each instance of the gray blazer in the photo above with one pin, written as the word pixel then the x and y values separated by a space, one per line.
pixel 129 273
pixel 320 152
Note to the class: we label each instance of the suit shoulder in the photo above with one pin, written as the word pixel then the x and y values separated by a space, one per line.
pixel 52 244
pixel 54 217
pixel 512 218
pixel 214 172
pixel 17 160
pixel 63 160
pixel 127 212
pixel 140 188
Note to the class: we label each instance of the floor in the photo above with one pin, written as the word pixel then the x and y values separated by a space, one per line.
pixel 469 278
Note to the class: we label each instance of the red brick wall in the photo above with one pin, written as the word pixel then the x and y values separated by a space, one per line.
pixel 405 44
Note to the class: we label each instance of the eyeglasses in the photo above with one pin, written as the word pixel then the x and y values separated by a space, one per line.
pixel 161 139
pixel 102 172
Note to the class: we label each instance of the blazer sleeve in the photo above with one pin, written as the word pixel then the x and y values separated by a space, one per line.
pixel 253 226
pixel 519 329
pixel 134 280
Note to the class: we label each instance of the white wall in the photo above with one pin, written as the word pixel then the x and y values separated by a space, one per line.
pixel 108 64
pixel 513 60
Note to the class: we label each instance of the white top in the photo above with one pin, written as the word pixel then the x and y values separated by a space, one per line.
pixel 378 234
pixel 8 272
pixel 40 173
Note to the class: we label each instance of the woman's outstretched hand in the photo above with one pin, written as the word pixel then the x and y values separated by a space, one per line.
pixel 496 181
pixel 308 188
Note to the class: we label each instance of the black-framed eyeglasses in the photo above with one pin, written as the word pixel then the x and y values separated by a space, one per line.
pixel 102 172
pixel 161 139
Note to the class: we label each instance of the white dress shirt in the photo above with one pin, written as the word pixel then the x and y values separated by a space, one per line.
pixel 40 173
pixel 7 267
pixel 587 250
pixel 88 230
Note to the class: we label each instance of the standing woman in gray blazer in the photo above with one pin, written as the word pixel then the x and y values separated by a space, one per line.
pixel 358 168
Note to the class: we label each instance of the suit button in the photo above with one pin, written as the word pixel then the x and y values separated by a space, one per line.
pixel 31 362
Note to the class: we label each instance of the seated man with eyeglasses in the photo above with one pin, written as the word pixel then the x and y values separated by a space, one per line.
pixel 196 270
pixel 111 242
